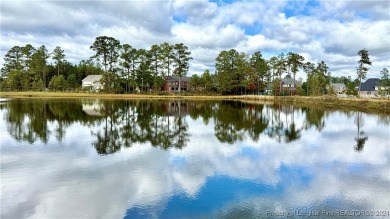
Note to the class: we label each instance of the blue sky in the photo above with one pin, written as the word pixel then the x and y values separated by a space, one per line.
pixel 328 30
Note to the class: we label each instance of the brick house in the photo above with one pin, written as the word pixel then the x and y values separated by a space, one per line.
pixel 171 84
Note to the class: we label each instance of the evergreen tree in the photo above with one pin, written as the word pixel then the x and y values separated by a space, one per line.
pixel 107 50
pixel 384 82
pixel 206 80
pixel 295 62
pixel 261 70
pixel 59 58
pixel 181 61
pixel 362 69
pixel 167 57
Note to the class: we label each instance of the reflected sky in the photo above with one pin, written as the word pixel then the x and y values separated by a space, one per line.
pixel 229 159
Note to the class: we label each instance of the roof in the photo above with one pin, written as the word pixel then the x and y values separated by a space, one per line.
pixel 370 84
pixel 92 78
pixel 288 80
pixel 176 78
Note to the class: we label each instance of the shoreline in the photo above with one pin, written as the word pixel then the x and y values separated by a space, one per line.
pixel 381 105
pixel 127 96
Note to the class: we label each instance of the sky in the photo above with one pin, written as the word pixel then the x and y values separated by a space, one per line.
pixel 320 30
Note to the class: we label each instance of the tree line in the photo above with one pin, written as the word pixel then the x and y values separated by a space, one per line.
pixel 28 69
pixel 125 69
pixel 238 73
pixel 140 68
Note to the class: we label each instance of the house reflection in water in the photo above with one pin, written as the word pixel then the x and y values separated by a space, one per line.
pixel 177 108
pixel 93 107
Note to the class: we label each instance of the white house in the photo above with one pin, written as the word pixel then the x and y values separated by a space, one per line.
pixel 338 88
pixel 93 82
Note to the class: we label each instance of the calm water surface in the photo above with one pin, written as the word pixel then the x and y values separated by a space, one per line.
pixel 76 158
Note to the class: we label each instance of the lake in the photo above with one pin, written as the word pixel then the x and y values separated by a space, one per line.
pixel 88 158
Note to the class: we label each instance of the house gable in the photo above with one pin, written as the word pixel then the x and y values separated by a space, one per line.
pixel 92 81
pixel 288 81
pixel 338 87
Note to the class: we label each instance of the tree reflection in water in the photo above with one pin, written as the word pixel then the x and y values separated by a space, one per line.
pixel 163 124
pixel 28 119
pixel 130 122
pixel 361 137
pixel 107 140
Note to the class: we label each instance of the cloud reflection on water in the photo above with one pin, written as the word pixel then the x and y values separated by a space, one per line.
pixel 320 170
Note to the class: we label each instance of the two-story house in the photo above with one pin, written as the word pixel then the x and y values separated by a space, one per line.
pixel 92 82
pixel 171 84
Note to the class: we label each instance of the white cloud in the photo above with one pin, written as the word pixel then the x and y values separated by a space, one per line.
pixel 323 30
pixel 208 36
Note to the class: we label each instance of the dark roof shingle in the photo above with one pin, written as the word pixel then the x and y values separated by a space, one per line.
pixel 176 78
pixel 370 84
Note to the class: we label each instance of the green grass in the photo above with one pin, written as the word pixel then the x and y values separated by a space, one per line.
pixel 332 102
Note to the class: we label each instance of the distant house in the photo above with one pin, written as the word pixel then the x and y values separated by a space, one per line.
pixel 268 89
pixel 171 84
pixel 287 82
pixel 370 87
pixel 92 82
pixel 338 88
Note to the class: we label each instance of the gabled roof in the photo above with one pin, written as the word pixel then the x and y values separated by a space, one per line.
pixel 288 80
pixel 92 78
pixel 176 78
pixel 370 84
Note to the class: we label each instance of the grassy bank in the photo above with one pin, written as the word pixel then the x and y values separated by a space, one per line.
pixel 380 105
pixel 332 102
pixel 125 96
